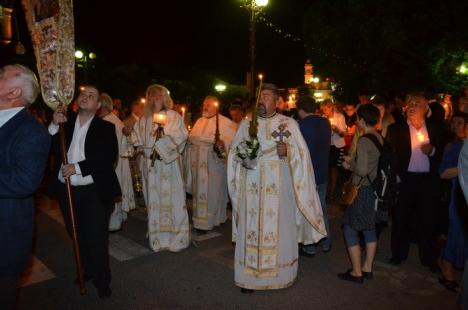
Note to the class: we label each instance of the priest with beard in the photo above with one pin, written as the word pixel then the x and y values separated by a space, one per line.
pixel 274 201
pixel 161 137
pixel 206 166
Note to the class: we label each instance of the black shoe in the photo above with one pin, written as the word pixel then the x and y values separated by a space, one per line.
pixel 347 276
pixel 368 275
pixel 200 231
pixel 104 292
pixel 326 250
pixel 394 261
pixel 246 291
pixel 304 253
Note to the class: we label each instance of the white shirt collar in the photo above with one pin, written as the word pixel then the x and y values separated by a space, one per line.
pixel 7 114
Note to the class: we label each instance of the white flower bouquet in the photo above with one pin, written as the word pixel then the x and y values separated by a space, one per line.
pixel 247 152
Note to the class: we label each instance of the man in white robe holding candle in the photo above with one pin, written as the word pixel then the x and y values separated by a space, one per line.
pixel 161 136
pixel 122 169
pixel 206 177
pixel 272 197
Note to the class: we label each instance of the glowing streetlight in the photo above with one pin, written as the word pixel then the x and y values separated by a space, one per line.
pixel 220 88
pixel 463 69
pixel 254 7
pixel 84 60
pixel 79 54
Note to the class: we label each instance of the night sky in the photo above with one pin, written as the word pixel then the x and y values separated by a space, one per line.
pixel 209 36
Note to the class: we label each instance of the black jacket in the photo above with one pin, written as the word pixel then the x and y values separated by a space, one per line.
pixel 101 153
pixel 399 140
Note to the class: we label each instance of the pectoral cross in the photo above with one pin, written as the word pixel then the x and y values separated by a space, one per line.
pixel 281 132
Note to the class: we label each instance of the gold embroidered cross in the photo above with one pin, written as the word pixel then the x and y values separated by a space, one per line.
pixel 281 132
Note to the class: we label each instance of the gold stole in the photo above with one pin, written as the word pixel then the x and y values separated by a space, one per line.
pixel 166 222
pixel 262 218
pixel 199 166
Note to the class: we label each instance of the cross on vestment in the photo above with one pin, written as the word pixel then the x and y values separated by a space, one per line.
pixel 281 132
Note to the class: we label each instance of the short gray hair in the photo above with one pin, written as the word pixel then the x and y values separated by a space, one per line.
pixel 25 79
pixel 106 102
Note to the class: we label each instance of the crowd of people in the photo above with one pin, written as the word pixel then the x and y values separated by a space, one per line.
pixel 277 174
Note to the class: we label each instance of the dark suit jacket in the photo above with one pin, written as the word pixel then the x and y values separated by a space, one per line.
pixel 399 140
pixel 101 151
pixel 24 149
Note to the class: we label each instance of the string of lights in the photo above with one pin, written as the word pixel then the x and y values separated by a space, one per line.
pixel 294 38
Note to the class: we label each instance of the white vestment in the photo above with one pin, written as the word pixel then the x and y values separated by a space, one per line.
pixel 124 175
pixel 269 203
pixel 206 173
pixel 163 185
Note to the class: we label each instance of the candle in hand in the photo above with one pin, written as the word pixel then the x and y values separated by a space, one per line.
pixel 420 137
pixel 183 113
pixel 160 119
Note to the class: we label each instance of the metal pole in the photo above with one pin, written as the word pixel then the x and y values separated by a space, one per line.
pixel 252 48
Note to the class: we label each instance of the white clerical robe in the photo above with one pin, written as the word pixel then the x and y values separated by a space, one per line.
pixel 268 203
pixel 206 177
pixel 124 175
pixel 163 185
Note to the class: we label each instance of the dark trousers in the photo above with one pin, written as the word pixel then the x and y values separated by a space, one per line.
pixel 8 292
pixel 418 198
pixel 92 221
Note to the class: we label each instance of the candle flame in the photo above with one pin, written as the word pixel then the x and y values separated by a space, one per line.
pixel 260 76
pixel 216 103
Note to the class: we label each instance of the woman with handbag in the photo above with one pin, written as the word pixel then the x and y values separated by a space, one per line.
pixel 360 215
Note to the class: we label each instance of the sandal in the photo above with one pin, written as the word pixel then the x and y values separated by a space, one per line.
pixel 450 285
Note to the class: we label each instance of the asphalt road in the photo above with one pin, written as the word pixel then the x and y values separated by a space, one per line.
pixel 201 277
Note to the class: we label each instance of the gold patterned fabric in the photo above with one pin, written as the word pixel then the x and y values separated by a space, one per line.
pixel 52 32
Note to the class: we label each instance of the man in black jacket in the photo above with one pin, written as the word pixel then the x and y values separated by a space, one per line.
pixel 418 146
pixel 92 150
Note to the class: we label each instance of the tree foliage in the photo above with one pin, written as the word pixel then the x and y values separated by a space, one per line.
pixel 392 45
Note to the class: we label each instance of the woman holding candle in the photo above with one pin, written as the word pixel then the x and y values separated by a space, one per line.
pixel 161 136
pixel 337 146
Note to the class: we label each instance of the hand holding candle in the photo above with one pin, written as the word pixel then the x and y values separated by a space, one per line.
pixel 160 119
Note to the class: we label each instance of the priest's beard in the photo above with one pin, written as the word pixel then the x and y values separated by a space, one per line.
pixel 207 114
pixel 262 110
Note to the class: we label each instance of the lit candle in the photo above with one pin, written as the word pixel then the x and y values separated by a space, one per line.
pixel 420 137
pixel 160 119
pixel 332 121
pixel 216 104
pixel 189 128
pixel 183 113
pixel 260 76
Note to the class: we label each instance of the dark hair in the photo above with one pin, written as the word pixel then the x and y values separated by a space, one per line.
pixel 273 88
pixel 377 100
pixel 307 104
pixel 462 115
pixel 369 113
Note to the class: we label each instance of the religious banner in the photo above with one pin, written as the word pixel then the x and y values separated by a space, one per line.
pixel 50 23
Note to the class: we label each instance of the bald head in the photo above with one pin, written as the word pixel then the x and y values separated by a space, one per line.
pixel 18 86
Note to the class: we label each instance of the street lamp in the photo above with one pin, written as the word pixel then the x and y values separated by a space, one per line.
pixel 254 7
pixel 83 60
pixel 220 88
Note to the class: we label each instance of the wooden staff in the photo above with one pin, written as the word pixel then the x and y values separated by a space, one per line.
pixel 71 211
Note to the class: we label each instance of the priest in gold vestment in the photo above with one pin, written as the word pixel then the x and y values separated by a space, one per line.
pixel 274 200
pixel 161 136
pixel 206 171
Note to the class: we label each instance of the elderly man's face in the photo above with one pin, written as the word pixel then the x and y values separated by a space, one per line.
pixel 267 103
pixel 209 108
pixel 155 97
pixel 6 90
pixel 88 100
pixel 416 107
